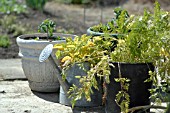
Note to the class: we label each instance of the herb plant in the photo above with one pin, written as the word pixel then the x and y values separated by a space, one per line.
pixel 95 51
pixel 47 26
pixel 148 42
pixel 116 25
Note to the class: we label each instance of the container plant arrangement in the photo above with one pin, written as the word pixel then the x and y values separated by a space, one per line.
pixel 145 50
pixel 146 44
pixel 40 75
pixel 81 56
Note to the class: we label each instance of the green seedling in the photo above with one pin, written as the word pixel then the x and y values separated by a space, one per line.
pixel 47 26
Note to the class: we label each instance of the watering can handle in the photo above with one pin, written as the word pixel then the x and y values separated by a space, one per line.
pixel 64 83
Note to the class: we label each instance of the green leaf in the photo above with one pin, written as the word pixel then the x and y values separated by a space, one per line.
pixel 58 54
pixel 78 77
pixel 47 26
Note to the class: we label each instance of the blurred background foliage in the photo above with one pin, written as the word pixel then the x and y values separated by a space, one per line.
pixel 20 6
pixel 36 4
pixel 12 10
pixel 92 2
pixel 11 6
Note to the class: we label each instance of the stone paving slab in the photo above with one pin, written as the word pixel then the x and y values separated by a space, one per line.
pixel 11 69
pixel 16 97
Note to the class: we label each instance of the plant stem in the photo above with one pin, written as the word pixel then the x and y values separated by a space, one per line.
pixel 47 35
pixel 145 107
pixel 120 76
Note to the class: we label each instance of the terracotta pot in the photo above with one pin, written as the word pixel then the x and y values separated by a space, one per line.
pixel 71 72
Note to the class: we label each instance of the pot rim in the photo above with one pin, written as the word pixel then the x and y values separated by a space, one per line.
pixel 90 32
pixel 23 37
pixel 135 63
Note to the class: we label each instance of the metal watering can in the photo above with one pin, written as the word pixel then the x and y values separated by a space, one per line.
pixel 45 54
pixel 96 98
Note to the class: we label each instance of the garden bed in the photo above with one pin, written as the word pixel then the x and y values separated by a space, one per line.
pixel 68 18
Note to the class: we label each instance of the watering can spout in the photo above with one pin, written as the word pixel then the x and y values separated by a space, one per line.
pixel 47 53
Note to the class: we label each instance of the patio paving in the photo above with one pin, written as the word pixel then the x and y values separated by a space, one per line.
pixel 11 69
pixel 16 96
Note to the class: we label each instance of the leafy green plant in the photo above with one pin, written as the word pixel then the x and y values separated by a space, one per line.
pixel 36 4
pixel 116 25
pixel 148 41
pixel 93 50
pixel 11 6
pixel 47 26
pixel 4 41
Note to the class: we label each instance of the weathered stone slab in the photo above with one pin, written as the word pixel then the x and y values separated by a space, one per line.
pixel 16 97
pixel 11 69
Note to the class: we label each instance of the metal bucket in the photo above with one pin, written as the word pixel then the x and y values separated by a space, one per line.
pixel 96 97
